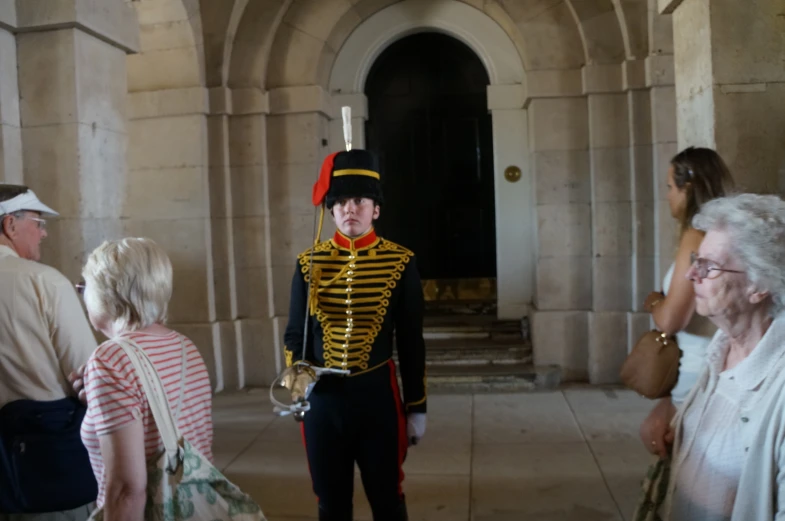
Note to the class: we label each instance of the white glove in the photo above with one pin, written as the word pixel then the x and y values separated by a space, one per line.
pixel 415 427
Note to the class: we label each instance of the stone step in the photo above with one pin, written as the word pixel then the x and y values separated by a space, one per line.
pixel 429 334
pixel 479 357
pixel 444 328
pixel 492 378
pixel 480 322
pixel 462 309
pixel 471 351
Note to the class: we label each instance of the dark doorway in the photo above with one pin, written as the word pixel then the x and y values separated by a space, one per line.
pixel 429 123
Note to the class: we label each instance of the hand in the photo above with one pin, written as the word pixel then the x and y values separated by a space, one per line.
pixel 656 432
pixel 415 427
pixel 654 298
pixel 76 378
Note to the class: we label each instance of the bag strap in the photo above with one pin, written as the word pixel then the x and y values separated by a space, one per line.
pixel 182 381
pixel 156 396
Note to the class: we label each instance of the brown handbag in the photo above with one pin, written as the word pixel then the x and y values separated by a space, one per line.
pixel 652 368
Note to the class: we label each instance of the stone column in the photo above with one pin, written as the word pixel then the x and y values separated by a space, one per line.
pixel 168 190
pixel 10 132
pixel 73 88
pixel 297 135
pixel 515 212
pixel 222 234
pixel 730 84
pixel 165 197
pixel 609 142
pixel 652 103
pixel 249 191
pixel 642 195
pixel 559 147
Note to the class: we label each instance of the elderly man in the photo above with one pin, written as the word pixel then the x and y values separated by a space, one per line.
pixel 44 336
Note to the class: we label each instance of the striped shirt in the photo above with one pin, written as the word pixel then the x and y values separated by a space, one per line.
pixel 115 396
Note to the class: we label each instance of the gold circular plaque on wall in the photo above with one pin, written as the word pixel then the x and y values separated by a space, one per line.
pixel 512 173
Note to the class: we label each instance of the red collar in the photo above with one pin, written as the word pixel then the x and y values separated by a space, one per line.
pixel 363 241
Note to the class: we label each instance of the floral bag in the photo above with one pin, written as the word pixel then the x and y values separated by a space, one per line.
pixel 653 491
pixel 181 483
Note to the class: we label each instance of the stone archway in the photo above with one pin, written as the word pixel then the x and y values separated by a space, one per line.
pixel 515 216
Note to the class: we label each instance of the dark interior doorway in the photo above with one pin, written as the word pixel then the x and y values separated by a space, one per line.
pixel 429 123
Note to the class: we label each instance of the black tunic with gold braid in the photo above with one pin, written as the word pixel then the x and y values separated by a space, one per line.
pixel 364 293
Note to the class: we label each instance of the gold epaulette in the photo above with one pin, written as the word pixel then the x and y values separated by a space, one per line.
pixel 322 246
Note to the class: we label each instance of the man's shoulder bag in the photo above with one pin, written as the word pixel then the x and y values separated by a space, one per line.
pixel 44 466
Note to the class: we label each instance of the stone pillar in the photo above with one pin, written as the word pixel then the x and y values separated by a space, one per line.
pixel 731 84
pixel 559 147
pixel 653 138
pixel 10 132
pixel 642 195
pixel 249 190
pixel 641 174
pixel 515 212
pixel 222 233
pixel 660 81
pixel 297 135
pixel 73 88
pixel 165 197
pixel 609 142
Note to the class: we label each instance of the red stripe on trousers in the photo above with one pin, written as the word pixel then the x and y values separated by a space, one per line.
pixel 308 461
pixel 403 443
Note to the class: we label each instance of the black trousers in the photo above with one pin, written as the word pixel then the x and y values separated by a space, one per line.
pixel 357 419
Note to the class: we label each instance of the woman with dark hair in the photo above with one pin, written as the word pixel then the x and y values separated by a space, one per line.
pixel 695 177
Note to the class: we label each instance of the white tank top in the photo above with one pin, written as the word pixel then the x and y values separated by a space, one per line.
pixel 693 341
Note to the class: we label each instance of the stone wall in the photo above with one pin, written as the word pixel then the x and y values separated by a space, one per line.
pixel 729 61
pixel 598 159
pixel 209 135
pixel 63 107
pixel 224 115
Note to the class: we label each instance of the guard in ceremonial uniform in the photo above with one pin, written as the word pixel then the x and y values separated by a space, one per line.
pixel 358 292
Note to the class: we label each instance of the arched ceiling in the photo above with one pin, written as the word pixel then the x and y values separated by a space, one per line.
pixel 258 23
pixel 170 45
pixel 273 43
pixel 216 20
pixel 601 31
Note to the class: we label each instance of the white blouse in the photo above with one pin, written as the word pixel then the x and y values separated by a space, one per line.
pixel 718 427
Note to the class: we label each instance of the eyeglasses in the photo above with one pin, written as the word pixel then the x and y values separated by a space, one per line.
pixel 80 287
pixel 704 266
pixel 41 222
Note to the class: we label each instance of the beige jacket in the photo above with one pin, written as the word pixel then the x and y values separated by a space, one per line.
pixel 44 334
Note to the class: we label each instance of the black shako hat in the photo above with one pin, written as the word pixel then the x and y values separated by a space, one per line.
pixel 353 173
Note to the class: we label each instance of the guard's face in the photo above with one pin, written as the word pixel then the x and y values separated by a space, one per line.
pixel 354 216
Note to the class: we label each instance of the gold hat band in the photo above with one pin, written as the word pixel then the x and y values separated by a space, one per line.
pixel 356 171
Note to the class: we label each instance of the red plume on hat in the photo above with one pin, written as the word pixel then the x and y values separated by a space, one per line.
pixel 322 185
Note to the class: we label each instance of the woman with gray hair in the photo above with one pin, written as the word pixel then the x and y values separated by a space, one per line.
pixel 728 457
pixel 128 284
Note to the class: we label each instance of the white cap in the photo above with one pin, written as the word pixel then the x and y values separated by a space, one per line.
pixel 25 202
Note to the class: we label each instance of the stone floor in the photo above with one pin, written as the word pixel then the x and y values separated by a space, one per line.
pixel 564 455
